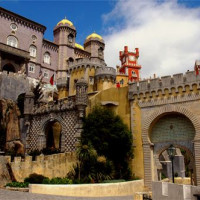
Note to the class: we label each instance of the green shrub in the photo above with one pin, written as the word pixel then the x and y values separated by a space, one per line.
pixel 57 180
pixel 18 184
pixel 35 178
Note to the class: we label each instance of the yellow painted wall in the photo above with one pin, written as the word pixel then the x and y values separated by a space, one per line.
pixel 120 97
pixel 137 163
pixel 119 77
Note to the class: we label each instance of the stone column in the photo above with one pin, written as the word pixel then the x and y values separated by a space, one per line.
pixel 147 166
pixel 197 161
pixel 0 62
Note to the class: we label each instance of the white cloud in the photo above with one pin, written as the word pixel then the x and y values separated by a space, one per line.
pixel 166 33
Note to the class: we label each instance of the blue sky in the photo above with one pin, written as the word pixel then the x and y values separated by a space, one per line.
pixel 167 32
pixel 85 15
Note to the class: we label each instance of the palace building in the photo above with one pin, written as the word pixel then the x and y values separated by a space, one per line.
pixel 159 111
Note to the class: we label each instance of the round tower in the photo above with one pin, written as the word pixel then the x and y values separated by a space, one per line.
pixel 105 78
pixel 64 37
pixel 95 45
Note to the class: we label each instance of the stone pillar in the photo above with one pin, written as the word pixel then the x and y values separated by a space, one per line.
pixel 0 62
pixel 81 103
pixel 197 161
pixel 147 166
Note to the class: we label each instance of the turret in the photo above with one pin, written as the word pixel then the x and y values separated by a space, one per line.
pixel 64 36
pixel 95 45
pixel 129 65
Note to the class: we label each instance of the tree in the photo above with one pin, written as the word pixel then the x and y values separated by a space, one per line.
pixel 110 137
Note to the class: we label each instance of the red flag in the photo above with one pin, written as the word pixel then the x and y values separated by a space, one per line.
pixel 52 79
pixel 197 70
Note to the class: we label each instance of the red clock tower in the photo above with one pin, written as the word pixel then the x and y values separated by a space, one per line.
pixel 129 64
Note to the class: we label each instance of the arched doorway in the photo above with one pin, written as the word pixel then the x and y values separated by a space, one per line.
pixel 177 129
pixel 53 135
pixel 9 68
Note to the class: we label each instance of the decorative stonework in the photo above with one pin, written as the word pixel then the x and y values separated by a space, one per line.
pixel 22 20
pixel 149 119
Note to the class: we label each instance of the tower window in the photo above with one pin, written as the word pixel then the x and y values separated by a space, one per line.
pixel 46 74
pixel 13 27
pixel 47 58
pixel 70 38
pixel 33 51
pixel 100 51
pixel 31 68
pixel 12 41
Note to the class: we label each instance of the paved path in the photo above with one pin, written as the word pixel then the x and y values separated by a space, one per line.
pixel 12 195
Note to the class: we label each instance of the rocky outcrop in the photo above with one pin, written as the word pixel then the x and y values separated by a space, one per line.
pixel 10 129
pixel 4 172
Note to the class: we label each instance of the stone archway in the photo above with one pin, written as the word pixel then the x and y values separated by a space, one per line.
pixel 148 146
pixel 9 68
pixel 53 135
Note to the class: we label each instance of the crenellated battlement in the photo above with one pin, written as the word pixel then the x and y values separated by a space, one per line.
pixel 105 72
pixel 158 86
pixel 86 63
pixel 12 85
pixel 60 164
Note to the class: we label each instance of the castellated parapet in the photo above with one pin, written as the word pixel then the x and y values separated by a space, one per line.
pixel 58 165
pixel 165 86
pixel 12 85
pixel 105 72
pixel 86 63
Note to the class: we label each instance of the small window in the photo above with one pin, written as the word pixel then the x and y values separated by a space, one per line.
pixel 31 68
pixel 33 51
pixel 47 58
pixel 13 27
pixel 100 52
pixel 70 38
pixel 46 74
pixel 12 41
pixel 34 38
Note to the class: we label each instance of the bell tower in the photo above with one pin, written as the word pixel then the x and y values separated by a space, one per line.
pixel 129 65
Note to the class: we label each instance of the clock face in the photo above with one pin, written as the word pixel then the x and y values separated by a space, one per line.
pixel 131 58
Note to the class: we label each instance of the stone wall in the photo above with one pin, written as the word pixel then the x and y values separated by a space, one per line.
pixel 12 85
pixel 91 190
pixel 57 165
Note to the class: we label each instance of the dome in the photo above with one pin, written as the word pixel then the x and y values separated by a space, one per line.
pixel 79 46
pixel 94 35
pixel 65 21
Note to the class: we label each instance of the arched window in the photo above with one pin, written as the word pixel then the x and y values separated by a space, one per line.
pixel 33 51
pixel 12 41
pixel 31 68
pixel 47 58
pixel 100 52
pixel 70 38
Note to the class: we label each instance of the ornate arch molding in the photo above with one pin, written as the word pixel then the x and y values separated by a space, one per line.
pixel 49 118
pixel 169 109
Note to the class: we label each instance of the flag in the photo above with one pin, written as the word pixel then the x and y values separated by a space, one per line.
pixel 40 73
pixel 52 80
pixel 196 70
